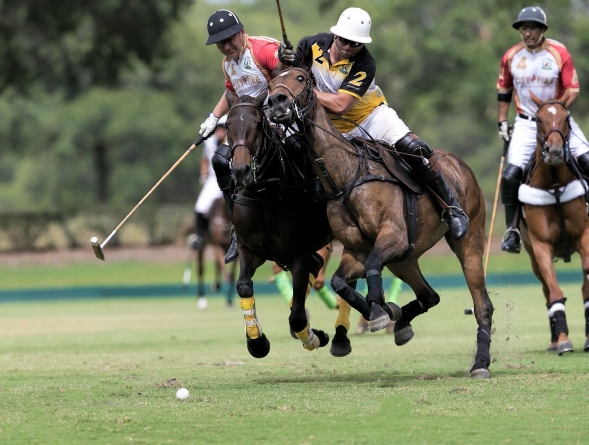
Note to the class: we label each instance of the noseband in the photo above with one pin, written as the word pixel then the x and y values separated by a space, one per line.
pixel 300 110
pixel 543 138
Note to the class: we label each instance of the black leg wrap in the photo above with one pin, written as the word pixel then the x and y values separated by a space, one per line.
pixel 553 336
pixel 375 291
pixel 355 300
pixel 483 356
pixel 560 322
pixel 587 321
pixel 412 310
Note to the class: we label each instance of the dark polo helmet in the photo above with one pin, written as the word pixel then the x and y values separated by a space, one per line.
pixel 222 24
pixel 531 14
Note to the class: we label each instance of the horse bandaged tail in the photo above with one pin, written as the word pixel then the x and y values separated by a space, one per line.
pixel 308 338
pixel 253 329
pixel 540 197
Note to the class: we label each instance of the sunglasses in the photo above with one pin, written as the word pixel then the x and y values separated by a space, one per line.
pixel 350 43
pixel 227 40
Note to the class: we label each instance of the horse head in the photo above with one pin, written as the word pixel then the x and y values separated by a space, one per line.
pixel 247 130
pixel 553 130
pixel 291 96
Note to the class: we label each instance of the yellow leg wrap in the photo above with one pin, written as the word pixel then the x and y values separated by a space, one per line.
pixel 343 316
pixel 308 338
pixel 248 307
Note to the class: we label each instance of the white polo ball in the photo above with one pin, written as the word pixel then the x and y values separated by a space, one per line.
pixel 182 394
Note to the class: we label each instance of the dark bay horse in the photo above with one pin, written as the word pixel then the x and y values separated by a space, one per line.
pixel 555 216
pixel 369 215
pixel 275 219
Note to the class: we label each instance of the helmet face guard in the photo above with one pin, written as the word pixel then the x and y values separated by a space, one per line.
pixel 532 14
pixel 354 24
pixel 222 24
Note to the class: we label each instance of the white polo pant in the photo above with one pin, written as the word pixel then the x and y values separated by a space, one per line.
pixel 523 142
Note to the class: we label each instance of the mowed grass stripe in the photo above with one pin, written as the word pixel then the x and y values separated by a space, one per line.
pixel 97 372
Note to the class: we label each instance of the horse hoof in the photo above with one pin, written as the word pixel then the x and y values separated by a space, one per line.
pixel 394 311
pixel 340 345
pixel 551 348
pixel 379 319
pixel 480 373
pixel 322 336
pixel 258 347
pixel 564 346
pixel 403 332
pixel 586 347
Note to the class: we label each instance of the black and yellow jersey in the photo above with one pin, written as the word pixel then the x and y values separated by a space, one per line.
pixel 354 76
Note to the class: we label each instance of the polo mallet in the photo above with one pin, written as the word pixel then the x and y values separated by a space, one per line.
pixel 505 147
pixel 284 38
pixel 94 240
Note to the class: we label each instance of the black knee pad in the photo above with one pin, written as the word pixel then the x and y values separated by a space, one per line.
pixel 407 144
pixel 583 162
pixel 221 163
pixel 510 181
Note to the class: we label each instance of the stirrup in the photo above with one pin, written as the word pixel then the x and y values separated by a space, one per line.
pixel 458 209
pixel 509 231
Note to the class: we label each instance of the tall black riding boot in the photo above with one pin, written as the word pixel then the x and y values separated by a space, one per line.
pixel 424 163
pixel 583 162
pixel 454 216
pixel 512 239
pixel 221 163
pixel 510 181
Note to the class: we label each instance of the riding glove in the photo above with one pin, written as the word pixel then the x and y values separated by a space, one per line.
pixel 505 131
pixel 286 54
pixel 208 127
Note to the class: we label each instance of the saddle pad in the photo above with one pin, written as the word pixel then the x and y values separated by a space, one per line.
pixel 400 171
pixel 540 197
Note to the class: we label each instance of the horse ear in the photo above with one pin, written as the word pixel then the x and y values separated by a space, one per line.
pixel 231 98
pixel 535 99
pixel 259 100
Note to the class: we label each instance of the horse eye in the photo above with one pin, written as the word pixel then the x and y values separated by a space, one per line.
pixel 300 78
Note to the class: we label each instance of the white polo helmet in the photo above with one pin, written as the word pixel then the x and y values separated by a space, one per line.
pixel 354 24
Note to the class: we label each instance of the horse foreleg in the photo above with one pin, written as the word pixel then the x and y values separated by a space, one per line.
pixel 304 272
pixel 541 254
pixel 584 252
pixel 385 249
pixel 257 343
pixel 470 254
pixel 425 298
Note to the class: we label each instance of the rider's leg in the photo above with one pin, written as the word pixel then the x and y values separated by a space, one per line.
pixel 510 181
pixel 425 165
pixel 222 166
pixel 579 147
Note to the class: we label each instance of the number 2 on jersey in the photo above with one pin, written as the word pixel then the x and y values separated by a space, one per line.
pixel 360 76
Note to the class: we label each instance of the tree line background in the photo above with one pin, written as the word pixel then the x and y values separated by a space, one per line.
pixel 99 99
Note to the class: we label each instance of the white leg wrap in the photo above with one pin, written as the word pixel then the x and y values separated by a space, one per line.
pixel 554 308
pixel 587 304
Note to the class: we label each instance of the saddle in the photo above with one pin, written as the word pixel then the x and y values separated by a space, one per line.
pixel 383 153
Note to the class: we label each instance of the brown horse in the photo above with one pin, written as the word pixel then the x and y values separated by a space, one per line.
pixel 275 219
pixel 555 213
pixel 369 215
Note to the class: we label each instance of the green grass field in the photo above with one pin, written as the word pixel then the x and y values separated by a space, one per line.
pixel 101 372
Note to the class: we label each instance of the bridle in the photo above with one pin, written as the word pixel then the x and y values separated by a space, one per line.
pixel 255 153
pixel 300 111
pixel 542 139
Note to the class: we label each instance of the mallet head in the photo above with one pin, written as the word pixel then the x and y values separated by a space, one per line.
pixel 97 249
